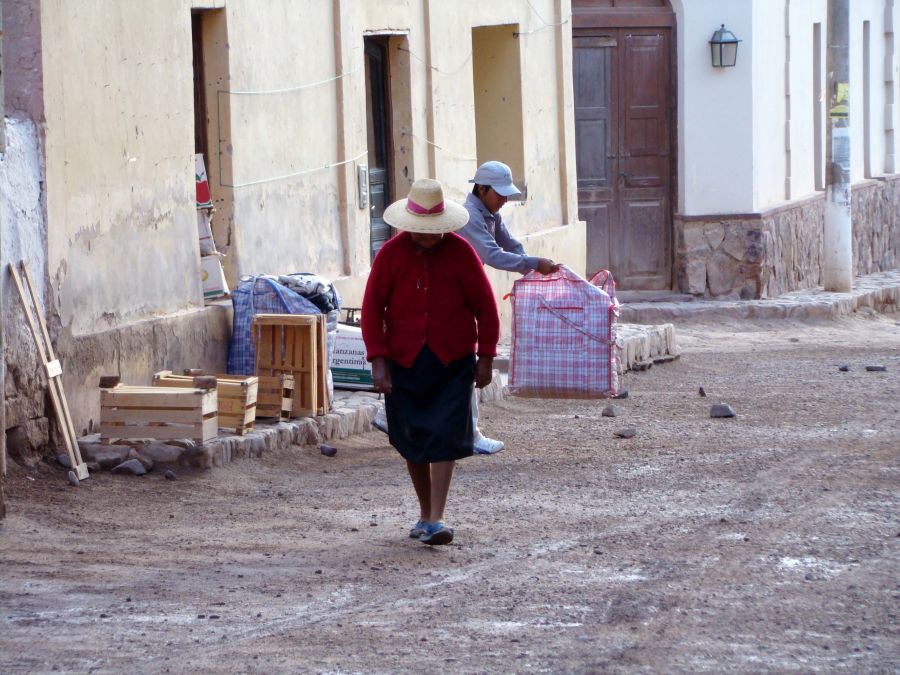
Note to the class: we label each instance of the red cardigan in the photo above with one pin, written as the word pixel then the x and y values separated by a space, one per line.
pixel 440 297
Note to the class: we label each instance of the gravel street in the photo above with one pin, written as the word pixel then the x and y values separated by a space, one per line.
pixel 765 542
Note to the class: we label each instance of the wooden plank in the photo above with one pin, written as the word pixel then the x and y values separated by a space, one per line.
pixel 210 429
pixel 142 415
pixel 45 351
pixel 66 417
pixel 195 432
pixel 285 319
pixel 234 405
pixel 322 362
pixel 133 399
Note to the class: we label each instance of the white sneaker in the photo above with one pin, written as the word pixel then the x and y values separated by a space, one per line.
pixel 380 422
pixel 487 446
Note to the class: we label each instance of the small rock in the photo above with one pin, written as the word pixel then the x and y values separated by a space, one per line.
pixel 611 411
pixel 844 368
pixel 64 461
pixel 170 475
pixel 627 432
pixel 147 463
pixel 328 450
pixel 876 369
pixel 623 393
pixel 722 410
pixel 598 551
pixel 130 467
pixel 73 478
pixel 702 392
pixel 795 339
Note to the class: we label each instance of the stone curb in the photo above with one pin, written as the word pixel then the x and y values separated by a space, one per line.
pixel 640 345
pixel 352 414
pixel 879 291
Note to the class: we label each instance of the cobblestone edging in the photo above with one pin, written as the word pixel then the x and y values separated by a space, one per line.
pixel 879 291
pixel 352 413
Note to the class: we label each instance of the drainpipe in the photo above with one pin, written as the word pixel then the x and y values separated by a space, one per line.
pixel 837 265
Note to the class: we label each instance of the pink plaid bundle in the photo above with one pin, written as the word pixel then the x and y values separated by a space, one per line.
pixel 564 337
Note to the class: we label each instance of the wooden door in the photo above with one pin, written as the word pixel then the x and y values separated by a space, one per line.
pixel 622 130
pixel 378 132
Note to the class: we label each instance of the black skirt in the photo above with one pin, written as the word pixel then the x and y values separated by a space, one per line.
pixel 429 413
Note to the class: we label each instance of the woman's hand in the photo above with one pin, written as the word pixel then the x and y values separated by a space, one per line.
pixel 484 371
pixel 381 375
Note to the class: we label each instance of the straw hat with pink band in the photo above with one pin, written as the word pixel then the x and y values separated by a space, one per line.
pixel 426 211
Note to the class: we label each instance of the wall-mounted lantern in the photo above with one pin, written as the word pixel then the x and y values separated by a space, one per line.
pixel 724 48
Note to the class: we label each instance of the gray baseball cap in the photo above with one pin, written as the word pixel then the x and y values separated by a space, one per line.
pixel 498 176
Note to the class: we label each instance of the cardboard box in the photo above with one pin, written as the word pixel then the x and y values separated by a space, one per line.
pixel 349 368
pixel 214 284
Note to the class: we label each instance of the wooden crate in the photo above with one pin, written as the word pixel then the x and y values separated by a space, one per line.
pixel 294 344
pixel 275 397
pixel 163 413
pixel 322 357
pixel 237 397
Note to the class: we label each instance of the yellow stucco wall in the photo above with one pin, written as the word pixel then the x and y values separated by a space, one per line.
pixel 122 241
pixel 286 105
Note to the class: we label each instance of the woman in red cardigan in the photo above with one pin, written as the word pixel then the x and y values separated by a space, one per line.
pixel 428 311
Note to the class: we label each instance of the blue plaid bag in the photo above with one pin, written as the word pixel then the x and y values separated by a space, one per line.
pixel 258 295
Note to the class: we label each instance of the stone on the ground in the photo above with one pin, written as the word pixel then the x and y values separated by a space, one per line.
pixel 162 453
pixel 627 432
pixel 623 393
pixel 73 478
pixel 146 462
pixel 328 450
pixel 876 369
pixel 844 369
pixel 170 475
pixel 722 410
pixel 107 456
pixel 611 411
pixel 130 467
pixel 702 392
pixel 63 460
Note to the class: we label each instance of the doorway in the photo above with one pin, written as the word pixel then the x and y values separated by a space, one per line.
pixel 378 131
pixel 624 123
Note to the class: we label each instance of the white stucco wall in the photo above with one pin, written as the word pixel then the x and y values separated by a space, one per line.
pixel 803 16
pixel 768 39
pixel 715 110
pixel 872 11
pixel 22 228
pixel 746 134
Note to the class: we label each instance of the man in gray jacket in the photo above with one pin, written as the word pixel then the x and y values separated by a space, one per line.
pixel 496 247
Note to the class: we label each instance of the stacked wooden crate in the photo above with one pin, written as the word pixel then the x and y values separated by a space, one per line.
pixel 276 396
pixel 237 397
pixel 163 413
pixel 295 344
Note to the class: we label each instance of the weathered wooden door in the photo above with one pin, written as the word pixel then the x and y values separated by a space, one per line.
pixel 623 104
pixel 378 132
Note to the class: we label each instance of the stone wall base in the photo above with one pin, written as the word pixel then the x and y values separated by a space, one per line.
pixel 762 255
pixel 194 339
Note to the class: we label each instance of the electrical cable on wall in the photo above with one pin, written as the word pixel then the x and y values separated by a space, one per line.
pixel 449 152
pixel 435 68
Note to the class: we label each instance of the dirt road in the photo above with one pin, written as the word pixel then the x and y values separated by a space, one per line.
pixel 767 542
